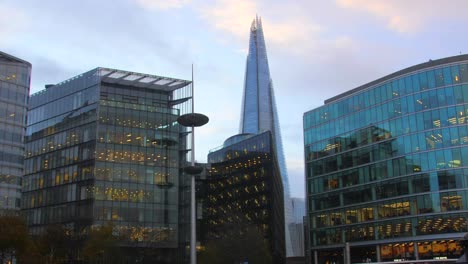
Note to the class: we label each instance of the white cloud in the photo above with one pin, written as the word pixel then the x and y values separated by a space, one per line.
pixel 408 16
pixel 294 30
pixel 234 18
pixel 230 16
pixel 162 4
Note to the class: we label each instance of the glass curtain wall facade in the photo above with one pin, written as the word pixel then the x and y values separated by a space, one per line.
pixel 387 166
pixel 297 227
pixel 259 112
pixel 104 147
pixel 15 75
pixel 244 186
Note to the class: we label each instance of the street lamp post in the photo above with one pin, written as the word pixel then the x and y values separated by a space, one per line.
pixel 193 120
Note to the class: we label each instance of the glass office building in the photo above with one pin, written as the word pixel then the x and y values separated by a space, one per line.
pixel 105 146
pixel 15 75
pixel 259 113
pixel 297 226
pixel 244 186
pixel 387 166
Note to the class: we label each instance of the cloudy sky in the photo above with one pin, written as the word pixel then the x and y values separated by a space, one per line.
pixel 316 49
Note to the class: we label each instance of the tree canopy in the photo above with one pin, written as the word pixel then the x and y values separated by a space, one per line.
pixel 243 244
pixel 102 245
pixel 15 241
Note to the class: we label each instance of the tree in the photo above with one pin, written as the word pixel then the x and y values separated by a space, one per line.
pixel 102 246
pixel 54 243
pixel 14 238
pixel 31 254
pixel 245 243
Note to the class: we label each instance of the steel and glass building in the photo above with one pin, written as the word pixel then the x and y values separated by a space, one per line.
pixel 15 75
pixel 387 166
pixel 297 226
pixel 105 147
pixel 244 188
pixel 259 112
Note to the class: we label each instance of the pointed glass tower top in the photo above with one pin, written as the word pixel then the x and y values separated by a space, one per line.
pixel 259 112
pixel 258 102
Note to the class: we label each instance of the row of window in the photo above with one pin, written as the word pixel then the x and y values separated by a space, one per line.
pixel 63 105
pixel 68 212
pixel 10 202
pixel 138 96
pixel 392 252
pixel 439 224
pixel 15 74
pixel 112 192
pixel 60 123
pixel 429 140
pixel 10 179
pixel 62 157
pixel 419 162
pixel 14 94
pixel 133 193
pixel 11 134
pixel 138 137
pixel 50 196
pixel 10 198
pixel 147 232
pixel 157 107
pixel 14 150
pixel 160 118
pixel 426 250
pixel 135 173
pixel 391 90
pixel 448 179
pixel 11 158
pixel 242 182
pixel 61 140
pixel 429 119
pixel 11 113
pixel 57 176
pixel 163 214
pixel 416 205
pixel 388 189
pixel 373 134
pixel 7 170
pixel 138 155
pixel 259 144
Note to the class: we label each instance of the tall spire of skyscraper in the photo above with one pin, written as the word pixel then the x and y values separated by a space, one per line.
pixel 259 112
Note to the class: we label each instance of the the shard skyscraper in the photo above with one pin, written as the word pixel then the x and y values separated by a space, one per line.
pixel 259 112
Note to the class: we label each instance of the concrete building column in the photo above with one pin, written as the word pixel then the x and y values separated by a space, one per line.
pixel 347 253
pixel 377 253
pixel 416 250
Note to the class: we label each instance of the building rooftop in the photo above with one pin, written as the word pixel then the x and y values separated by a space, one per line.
pixel 120 77
pixel 7 57
pixel 167 84
pixel 425 65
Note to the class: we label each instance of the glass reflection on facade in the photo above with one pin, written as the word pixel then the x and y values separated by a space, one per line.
pixel 387 166
pixel 297 226
pixel 104 147
pixel 15 77
pixel 259 113
pixel 244 186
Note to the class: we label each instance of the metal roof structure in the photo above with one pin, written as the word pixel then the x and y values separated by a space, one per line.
pixel 120 77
